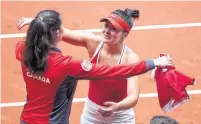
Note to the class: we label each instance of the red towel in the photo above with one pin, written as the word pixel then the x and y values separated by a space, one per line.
pixel 171 85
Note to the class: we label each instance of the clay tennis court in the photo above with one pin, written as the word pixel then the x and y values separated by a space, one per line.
pixel 182 41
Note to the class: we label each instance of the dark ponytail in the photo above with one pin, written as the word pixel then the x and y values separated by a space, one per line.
pixel 40 37
pixel 133 13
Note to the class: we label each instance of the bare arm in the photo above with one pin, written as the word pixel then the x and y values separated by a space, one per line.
pixel 81 38
pixel 77 38
pixel 133 90
pixel 84 39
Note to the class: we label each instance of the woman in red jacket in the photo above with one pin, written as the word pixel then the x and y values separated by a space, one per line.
pixel 51 78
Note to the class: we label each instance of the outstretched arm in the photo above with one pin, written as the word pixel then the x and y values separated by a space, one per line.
pixel 86 70
pixel 77 38
pixel 84 39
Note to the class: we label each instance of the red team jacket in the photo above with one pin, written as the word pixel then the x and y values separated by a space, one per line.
pixel 171 86
pixel 50 95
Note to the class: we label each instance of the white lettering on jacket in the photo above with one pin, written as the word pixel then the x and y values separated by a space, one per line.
pixel 40 78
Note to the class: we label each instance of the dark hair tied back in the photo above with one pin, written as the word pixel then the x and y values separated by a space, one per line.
pixel 41 35
pixel 133 13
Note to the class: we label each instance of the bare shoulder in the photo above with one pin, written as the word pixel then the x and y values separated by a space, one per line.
pixel 131 56
pixel 92 42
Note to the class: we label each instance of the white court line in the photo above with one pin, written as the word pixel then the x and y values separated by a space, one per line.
pixel 197 24
pixel 78 100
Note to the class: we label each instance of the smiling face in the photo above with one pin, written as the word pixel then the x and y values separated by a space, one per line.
pixel 112 34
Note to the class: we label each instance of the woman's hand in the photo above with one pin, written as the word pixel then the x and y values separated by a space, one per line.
pixel 23 22
pixel 109 109
pixel 163 61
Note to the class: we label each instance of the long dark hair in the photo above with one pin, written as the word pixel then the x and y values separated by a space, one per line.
pixel 41 35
